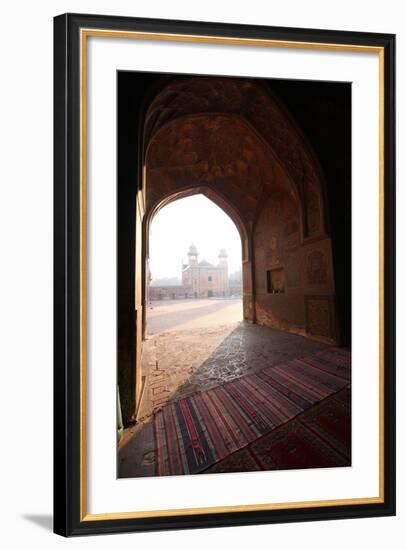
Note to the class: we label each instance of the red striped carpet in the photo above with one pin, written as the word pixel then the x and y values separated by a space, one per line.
pixel 198 431
pixel 318 438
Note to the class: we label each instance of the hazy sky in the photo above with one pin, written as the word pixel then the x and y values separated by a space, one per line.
pixel 192 220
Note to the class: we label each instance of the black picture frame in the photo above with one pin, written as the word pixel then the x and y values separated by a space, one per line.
pixel 68 519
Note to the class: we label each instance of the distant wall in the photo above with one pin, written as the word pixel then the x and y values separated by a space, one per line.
pixel 182 292
pixel 168 292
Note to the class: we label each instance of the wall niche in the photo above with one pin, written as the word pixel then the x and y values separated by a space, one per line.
pixel 275 281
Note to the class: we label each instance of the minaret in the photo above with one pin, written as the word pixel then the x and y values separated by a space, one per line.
pixel 223 264
pixel 192 255
pixel 223 257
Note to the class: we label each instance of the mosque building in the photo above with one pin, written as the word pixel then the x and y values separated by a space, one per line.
pixel 200 279
pixel 203 279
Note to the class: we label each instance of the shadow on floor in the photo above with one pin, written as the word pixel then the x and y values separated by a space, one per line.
pixel 45 521
pixel 247 349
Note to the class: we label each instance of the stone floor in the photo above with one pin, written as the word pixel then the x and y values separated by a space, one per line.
pixel 180 362
pixel 176 363
pixel 182 336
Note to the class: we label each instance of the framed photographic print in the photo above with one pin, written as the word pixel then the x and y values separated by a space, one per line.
pixel 224 274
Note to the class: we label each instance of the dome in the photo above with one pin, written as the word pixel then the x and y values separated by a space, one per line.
pixel 205 263
pixel 192 250
pixel 223 253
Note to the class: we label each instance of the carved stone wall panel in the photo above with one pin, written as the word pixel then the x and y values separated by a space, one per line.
pixel 320 317
pixel 293 270
pixel 313 214
pixel 316 268
pixel 277 223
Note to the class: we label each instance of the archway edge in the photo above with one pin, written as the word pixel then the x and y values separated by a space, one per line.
pixel 213 195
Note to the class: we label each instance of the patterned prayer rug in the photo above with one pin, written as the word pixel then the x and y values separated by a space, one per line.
pixel 198 431
pixel 317 438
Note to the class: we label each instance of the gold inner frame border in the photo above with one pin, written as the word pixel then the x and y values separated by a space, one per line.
pixel 173 37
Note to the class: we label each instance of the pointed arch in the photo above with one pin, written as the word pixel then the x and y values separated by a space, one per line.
pixel 219 200
pixel 215 196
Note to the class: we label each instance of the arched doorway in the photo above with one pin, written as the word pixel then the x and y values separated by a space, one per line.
pixel 231 140
pixel 229 212
pixel 193 298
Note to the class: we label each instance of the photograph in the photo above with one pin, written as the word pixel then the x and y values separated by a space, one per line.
pixel 234 299
pixel 224 267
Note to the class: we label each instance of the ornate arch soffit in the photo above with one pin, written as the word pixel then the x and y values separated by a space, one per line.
pixel 250 130
pixel 249 99
pixel 246 97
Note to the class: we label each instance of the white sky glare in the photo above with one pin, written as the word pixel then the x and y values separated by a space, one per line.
pixel 192 220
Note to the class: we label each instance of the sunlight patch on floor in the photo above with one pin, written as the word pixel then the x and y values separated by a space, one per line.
pixel 171 358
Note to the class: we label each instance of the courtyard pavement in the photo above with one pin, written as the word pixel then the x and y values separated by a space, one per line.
pixel 190 314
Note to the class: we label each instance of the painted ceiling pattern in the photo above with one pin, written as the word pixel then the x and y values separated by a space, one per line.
pixel 230 134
